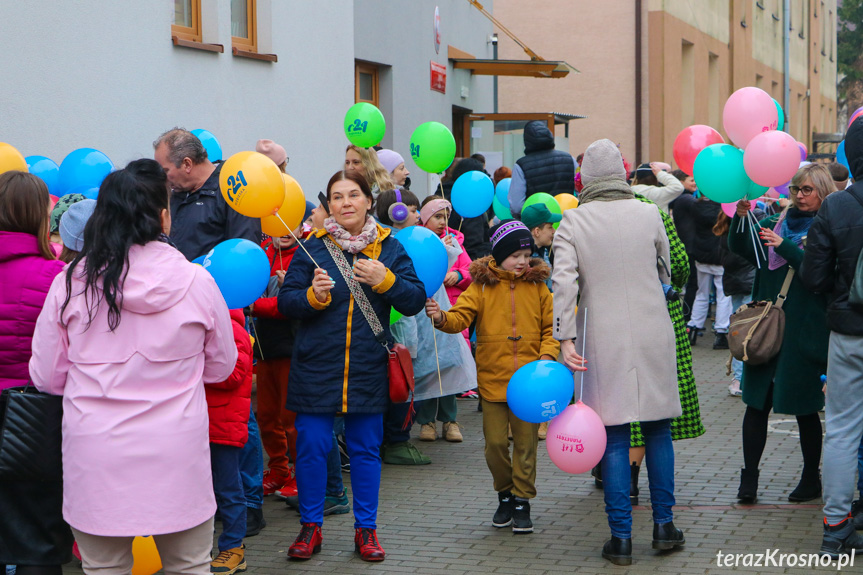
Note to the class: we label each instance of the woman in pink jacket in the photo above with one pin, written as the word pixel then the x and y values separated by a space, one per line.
pixel 33 534
pixel 128 335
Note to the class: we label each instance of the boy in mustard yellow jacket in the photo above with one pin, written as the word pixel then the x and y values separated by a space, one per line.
pixel 512 307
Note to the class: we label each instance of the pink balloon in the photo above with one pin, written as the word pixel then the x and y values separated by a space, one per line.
pixel 856 115
pixel 804 153
pixel 771 158
pixel 576 439
pixel 689 143
pixel 749 112
pixel 731 209
pixel 772 193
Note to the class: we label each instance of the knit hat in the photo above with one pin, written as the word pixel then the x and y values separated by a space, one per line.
pixel 602 159
pixel 272 150
pixel 535 215
pixel 72 224
pixel 60 208
pixel 390 159
pixel 308 213
pixel 507 237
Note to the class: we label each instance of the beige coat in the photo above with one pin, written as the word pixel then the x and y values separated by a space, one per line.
pixel 607 252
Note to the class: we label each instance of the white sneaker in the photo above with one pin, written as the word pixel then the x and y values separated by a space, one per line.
pixel 734 388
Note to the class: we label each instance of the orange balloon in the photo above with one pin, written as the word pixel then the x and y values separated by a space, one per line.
pixel 566 201
pixel 11 159
pixel 146 556
pixel 292 211
pixel 252 184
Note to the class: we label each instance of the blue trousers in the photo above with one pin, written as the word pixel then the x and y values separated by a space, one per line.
pixel 659 455
pixel 252 466
pixel 394 420
pixel 364 434
pixel 335 486
pixel 228 487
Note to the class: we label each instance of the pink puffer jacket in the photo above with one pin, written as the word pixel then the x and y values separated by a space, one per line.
pixel 25 277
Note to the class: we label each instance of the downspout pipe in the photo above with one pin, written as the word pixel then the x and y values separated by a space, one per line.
pixel 786 41
pixel 638 80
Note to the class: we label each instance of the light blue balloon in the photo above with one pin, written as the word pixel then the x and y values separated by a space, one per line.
pixel 211 144
pixel 241 270
pixel 501 192
pixel 83 167
pixel 47 169
pixel 472 194
pixel 428 255
pixel 840 155
pixel 91 194
pixel 539 391
pixel 88 192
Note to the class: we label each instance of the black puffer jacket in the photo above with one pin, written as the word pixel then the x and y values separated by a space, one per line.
pixel 546 170
pixel 707 248
pixel 683 212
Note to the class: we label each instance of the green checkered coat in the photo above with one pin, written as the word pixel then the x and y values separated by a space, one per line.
pixel 689 424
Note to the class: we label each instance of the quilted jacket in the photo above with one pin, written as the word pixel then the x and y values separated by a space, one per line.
pixel 229 402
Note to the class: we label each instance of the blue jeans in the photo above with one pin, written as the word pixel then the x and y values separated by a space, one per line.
pixel 364 434
pixel 252 465
pixel 736 364
pixel 228 487
pixel 659 455
pixel 860 468
pixel 335 486
pixel 394 420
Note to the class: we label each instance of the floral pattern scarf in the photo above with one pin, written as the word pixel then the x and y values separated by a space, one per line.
pixel 353 244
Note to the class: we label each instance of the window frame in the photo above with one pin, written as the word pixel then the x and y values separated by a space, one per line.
pixel 366 67
pixel 191 33
pixel 249 44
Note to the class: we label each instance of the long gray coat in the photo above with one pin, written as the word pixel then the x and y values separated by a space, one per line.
pixel 607 252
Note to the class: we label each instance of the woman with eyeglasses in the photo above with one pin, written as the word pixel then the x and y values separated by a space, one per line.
pixel 789 383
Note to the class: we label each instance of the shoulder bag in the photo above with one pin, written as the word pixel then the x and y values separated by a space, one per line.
pixel 757 328
pixel 30 435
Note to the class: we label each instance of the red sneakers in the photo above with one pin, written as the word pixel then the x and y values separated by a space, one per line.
pixel 308 542
pixel 273 482
pixel 289 485
pixel 366 544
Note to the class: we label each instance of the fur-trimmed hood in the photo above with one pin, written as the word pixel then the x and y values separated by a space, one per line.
pixel 484 271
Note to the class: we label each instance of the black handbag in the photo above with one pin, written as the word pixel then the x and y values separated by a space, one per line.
pixel 30 435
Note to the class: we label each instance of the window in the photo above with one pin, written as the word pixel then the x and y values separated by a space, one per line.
pixel 243 25
pixel 366 83
pixel 187 20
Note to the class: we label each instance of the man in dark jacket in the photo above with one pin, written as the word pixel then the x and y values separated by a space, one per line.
pixel 542 169
pixel 683 212
pixel 832 250
pixel 200 216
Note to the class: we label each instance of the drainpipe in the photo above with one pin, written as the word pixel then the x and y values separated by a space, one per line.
pixel 786 40
pixel 638 119
pixel 494 55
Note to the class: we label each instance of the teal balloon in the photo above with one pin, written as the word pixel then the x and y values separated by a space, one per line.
pixel 755 191
pixel 720 175
pixel 211 144
pixel 428 254
pixel 501 211
pixel 241 270
pixel 472 194
pixel 780 114
pixel 365 125
pixel 432 147
pixel 46 169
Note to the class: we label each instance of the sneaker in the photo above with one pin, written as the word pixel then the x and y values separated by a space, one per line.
pixel 255 521
pixel 293 502
pixel 470 394
pixel 734 389
pixel 403 453
pixel 521 522
pixel 337 504
pixel 366 544
pixel 840 539
pixel 720 341
pixel 503 515
pixel 229 561
pixel 857 514
pixel 452 433
pixel 289 489
pixel 274 481
pixel 543 430
pixel 428 432
pixel 307 543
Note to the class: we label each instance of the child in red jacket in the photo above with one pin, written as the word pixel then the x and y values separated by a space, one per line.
pixel 228 405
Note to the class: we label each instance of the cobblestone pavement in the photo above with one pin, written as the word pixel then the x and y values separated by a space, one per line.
pixel 437 518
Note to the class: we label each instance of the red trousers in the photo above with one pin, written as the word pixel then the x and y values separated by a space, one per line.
pixel 278 433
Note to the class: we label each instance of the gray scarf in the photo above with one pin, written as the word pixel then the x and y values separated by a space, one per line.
pixel 606 189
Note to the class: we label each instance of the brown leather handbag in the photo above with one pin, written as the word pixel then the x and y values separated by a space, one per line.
pixel 757 328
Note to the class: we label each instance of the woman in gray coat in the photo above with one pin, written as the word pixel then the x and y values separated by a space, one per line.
pixel 611 258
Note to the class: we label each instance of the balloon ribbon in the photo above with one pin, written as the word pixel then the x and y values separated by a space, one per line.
pixel 583 349
pixel 436 357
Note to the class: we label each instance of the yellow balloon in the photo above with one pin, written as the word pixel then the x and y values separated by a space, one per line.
pixel 566 201
pixel 252 184
pixel 11 159
pixel 292 211
pixel 146 556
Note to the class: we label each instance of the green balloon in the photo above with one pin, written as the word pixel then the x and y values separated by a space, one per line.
pixel 365 125
pixel 755 191
pixel 432 147
pixel 394 315
pixel 720 175
pixel 780 114
pixel 548 200
pixel 501 211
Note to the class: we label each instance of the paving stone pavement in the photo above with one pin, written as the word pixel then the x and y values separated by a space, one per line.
pixel 437 518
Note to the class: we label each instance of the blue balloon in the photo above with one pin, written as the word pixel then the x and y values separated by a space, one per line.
pixel 539 391
pixel 199 260
pixel 92 194
pixel 45 168
pixel 472 194
pixel 840 155
pixel 83 167
pixel 501 192
pixel 428 255
pixel 241 270
pixel 211 144
pixel 88 192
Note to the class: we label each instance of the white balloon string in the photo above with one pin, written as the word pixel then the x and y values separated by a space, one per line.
pixel 299 243
pixel 437 357
pixel 583 350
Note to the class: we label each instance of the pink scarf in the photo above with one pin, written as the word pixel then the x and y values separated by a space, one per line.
pixel 353 244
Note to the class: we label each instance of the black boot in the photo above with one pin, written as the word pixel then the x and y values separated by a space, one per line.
pixel 809 487
pixel 633 483
pixel 692 334
pixel 597 475
pixel 521 522
pixel 618 551
pixel 667 536
pixel 857 513
pixel 254 521
pixel 748 491
pixel 720 341
pixel 503 515
pixel 840 539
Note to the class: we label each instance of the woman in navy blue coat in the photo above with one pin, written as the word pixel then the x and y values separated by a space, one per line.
pixel 338 366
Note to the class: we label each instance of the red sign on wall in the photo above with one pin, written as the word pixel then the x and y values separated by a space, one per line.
pixel 438 77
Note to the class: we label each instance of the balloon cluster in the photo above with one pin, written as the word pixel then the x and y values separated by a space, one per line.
pixel 840 150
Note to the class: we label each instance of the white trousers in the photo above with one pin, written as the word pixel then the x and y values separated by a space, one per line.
pixel 710 274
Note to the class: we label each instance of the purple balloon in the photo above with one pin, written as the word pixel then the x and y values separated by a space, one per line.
pixel 783 189
pixel 803 152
